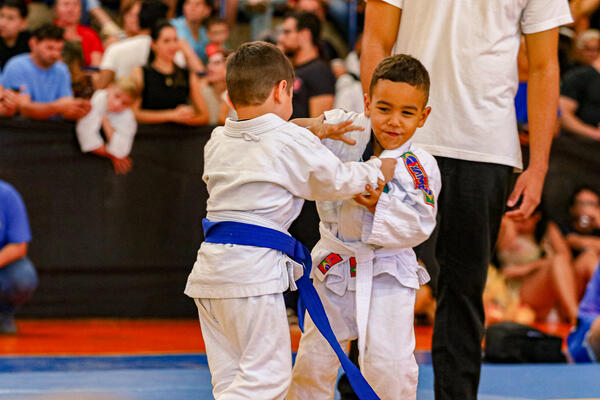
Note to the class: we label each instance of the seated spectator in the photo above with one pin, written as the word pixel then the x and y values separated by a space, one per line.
pixel 166 88
pixel 68 13
pixel 331 45
pixel 43 79
pixel 122 57
pixel 536 262
pixel 217 32
pixel 189 26
pixel 579 101
pixel 111 112
pixel 130 24
pixel 14 39
pixel 584 340
pixel 314 86
pixel 214 89
pixel 583 233
pixel 18 278
pixel 81 79
pixel 587 47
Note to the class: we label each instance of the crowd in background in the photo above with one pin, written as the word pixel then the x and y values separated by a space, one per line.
pixel 112 65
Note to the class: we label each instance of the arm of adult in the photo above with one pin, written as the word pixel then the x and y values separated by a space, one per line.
pixel 317 105
pixel 382 21
pixel 12 252
pixel 583 242
pixel 542 93
pixel 198 101
pixel 572 123
pixel 70 107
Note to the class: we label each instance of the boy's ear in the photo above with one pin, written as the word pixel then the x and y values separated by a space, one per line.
pixel 424 114
pixel 280 90
pixel 367 100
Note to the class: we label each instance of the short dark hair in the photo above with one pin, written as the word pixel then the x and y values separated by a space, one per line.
pixel 402 68
pixel 48 31
pixel 214 21
pixel 18 4
pixel 253 70
pixel 580 189
pixel 158 27
pixel 151 11
pixel 308 20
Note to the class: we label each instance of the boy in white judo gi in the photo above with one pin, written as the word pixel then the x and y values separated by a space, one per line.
pixel 258 171
pixel 364 268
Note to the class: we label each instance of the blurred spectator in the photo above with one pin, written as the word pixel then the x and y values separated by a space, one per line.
pixel 536 262
pixel 588 46
pixel 167 89
pixel 130 24
pixel 111 112
pixel 14 39
pixel 260 13
pixel 331 45
pixel 583 233
pixel 81 79
pixel 120 58
pixel 580 101
pixel 348 89
pixel 314 87
pixel 584 340
pixel 18 278
pixel 217 32
pixel 214 88
pixel 189 26
pixel 43 79
pixel 68 13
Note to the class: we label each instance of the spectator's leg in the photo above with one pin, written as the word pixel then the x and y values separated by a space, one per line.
pixel 585 264
pixel 18 281
pixel 471 205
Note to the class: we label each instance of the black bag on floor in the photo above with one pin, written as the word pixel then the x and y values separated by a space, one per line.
pixel 509 342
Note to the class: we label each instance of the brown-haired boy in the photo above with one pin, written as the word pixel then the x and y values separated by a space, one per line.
pixel 111 112
pixel 258 170
pixel 364 268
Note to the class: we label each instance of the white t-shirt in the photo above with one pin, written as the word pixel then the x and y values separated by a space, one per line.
pixel 122 57
pixel 470 49
pixel 88 127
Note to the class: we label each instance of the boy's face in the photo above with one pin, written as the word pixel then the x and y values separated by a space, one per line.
pixel 396 110
pixel 11 22
pixel 117 100
pixel 218 33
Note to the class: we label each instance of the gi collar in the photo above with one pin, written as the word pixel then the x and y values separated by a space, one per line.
pixel 250 129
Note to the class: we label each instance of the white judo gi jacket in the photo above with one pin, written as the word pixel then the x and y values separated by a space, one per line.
pixel 357 247
pixel 259 172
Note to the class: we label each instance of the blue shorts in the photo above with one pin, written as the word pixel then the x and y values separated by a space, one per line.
pixel 578 343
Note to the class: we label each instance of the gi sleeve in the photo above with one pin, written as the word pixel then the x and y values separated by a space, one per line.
pixel 311 171
pixel 344 151
pixel 406 215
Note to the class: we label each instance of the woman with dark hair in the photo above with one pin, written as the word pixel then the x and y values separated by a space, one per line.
pixel 169 93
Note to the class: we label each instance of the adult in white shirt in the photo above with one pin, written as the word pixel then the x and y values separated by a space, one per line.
pixel 470 49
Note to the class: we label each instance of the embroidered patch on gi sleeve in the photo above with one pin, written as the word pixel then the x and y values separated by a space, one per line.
pixel 416 170
pixel 352 267
pixel 329 262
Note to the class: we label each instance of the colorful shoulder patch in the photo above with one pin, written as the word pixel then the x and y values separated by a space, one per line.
pixel 352 267
pixel 329 262
pixel 419 176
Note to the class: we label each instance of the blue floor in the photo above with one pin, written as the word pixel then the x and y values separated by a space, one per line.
pixel 184 377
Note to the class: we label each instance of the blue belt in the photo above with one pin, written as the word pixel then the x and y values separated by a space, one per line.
pixel 229 232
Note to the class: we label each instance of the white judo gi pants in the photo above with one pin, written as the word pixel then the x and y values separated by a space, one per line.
pixel 389 363
pixel 248 346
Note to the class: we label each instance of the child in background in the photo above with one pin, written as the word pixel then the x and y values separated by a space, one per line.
pixel 217 32
pixel 111 112
pixel 258 171
pixel 364 268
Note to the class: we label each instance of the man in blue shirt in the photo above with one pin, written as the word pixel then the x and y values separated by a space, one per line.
pixel 44 80
pixel 18 278
pixel 584 340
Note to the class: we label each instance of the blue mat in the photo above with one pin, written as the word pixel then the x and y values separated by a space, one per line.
pixel 183 377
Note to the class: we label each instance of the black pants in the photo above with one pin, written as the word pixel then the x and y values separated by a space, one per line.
pixel 470 208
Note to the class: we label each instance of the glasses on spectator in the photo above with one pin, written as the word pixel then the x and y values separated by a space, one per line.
pixel 584 203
